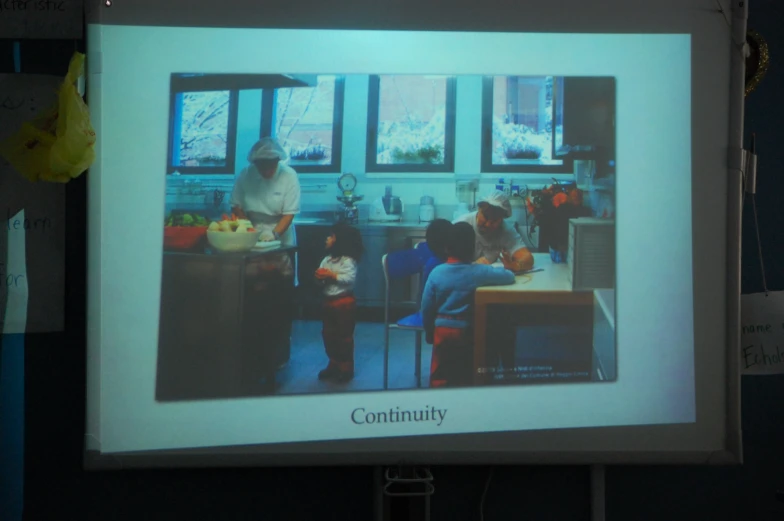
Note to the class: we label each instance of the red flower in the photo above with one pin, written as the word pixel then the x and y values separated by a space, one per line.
pixel 559 199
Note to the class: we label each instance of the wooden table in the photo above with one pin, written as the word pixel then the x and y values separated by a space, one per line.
pixel 550 287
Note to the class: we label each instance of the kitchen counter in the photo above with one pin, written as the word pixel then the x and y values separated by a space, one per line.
pixel 605 299
pixel 229 257
pixel 604 342
pixel 365 224
pixel 224 323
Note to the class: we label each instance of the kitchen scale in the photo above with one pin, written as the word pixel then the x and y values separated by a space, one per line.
pixel 348 213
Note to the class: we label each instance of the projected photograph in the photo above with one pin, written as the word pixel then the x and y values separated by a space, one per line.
pixel 301 256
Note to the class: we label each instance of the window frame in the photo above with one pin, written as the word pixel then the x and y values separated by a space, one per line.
pixel 371 149
pixel 487 141
pixel 610 151
pixel 231 137
pixel 268 117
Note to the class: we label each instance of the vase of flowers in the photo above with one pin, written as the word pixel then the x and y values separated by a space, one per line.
pixel 549 211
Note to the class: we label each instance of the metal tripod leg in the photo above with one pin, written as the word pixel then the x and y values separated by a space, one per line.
pixel 402 482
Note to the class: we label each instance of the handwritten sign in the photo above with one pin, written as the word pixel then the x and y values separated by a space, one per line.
pixel 762 333
pixel 13 283
pixel 32 216
pixel 43 19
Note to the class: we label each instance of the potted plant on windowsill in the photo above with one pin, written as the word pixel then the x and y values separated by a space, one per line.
pixel 313 153
pixel 522 151
pixel 517 142
pixel 549 210
pixel 423 155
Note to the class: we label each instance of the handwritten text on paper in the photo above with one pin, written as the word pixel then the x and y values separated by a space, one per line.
pixel 42 19
pixel 762 333
pixel 32 219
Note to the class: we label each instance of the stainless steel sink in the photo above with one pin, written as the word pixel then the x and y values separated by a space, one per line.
pixel 308 221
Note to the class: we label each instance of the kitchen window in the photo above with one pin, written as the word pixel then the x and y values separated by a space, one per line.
pixel 203 132
pixel 517 125
pixel 411 124
pixel 308 122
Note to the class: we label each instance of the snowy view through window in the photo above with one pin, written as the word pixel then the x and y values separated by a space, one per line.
pixel 304 118
pixel 523 120
pixel 411 120
pixel 204 128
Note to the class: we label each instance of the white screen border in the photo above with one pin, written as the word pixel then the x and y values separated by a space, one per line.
pixel 683 443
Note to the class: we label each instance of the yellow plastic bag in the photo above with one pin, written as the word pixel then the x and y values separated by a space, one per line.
pixel 59 144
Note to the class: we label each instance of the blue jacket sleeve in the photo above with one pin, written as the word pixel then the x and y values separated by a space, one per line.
pixel 490 276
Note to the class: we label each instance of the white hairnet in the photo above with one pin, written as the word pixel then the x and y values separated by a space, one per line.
pixel 267 148
pixel 499 200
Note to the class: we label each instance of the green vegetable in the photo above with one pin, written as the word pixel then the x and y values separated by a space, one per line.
pixel 186 219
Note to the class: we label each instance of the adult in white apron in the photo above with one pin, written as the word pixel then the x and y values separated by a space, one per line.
pixel 267 193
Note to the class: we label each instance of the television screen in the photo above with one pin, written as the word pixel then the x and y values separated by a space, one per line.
pixel 380 243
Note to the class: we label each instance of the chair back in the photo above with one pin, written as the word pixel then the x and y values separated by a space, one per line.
pixel 404 263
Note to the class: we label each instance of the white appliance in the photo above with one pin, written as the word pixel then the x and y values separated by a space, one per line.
pixel 378 212
pixel 591 255
pixel 427 209
pixel 460 210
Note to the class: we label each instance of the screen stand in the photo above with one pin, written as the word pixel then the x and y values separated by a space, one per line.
pixel 402 492
pixel 597 493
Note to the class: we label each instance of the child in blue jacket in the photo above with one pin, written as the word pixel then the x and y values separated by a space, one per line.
pixel 448 307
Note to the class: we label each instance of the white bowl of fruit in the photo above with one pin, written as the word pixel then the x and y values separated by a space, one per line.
pixel 232 235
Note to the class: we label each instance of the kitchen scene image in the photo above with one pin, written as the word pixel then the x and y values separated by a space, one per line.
pixel 330 233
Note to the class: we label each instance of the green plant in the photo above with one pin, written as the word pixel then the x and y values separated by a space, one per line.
pixel 428 155
pixel 522 151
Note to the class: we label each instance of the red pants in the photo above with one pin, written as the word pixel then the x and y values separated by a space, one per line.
pixel 452 361
pixel 339 318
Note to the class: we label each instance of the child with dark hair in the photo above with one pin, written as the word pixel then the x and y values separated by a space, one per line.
pixel 338 273
pixel 448 307
pixel 436 239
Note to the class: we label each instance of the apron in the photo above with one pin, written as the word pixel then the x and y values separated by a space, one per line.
pixel 267 223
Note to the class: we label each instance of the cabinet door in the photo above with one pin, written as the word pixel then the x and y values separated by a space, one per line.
pixel 310 242
pixel 370 275
pixel 605 363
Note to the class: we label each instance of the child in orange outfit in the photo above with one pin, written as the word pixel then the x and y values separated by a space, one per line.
pixel 448 307
pixel 338 273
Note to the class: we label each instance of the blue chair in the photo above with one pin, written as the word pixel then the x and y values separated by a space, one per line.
pixel 397 266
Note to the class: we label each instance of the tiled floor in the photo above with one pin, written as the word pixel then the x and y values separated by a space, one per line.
pixel 308 358
pixel 540 351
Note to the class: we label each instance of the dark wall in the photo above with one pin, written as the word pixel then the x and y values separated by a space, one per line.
pixel 56 488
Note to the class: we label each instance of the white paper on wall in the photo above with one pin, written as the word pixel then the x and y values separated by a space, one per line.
pixel 42 224
pixel 14 288
pixel 762 333
pixel 42 19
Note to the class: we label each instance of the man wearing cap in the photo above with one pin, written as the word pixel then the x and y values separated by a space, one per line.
pixel 495 239
pixel 267 192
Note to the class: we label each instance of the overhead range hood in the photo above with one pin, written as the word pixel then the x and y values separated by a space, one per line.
pixel 186 82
